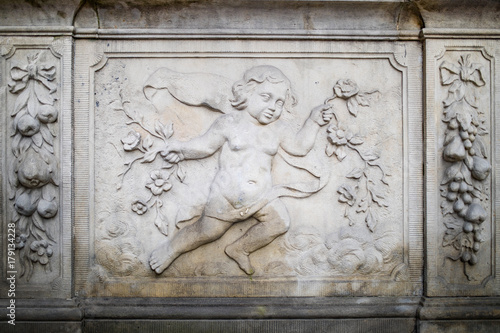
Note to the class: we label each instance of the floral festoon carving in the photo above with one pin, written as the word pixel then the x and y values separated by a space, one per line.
pixel 149 148
pixel 33 177
pixel 367 195
pixel 464 185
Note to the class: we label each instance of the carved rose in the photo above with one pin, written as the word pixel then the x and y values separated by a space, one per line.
pixel 131 141
pixel 345 88
pixel 47 209
pixel 338 135
pixel 159 183
pixel 139 207
pixel 40 252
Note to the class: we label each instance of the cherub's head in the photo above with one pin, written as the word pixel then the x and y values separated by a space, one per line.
pixel 264 92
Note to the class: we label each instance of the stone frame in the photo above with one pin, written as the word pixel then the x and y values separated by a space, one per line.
pixel 91 55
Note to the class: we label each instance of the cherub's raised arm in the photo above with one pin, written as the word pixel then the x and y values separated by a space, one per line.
pixel 199 147
pixel 301 143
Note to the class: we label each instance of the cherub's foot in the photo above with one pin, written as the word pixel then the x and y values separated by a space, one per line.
pixel 161 258
pixel 241 258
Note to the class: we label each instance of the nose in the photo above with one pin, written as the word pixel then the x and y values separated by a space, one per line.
pixel 272 106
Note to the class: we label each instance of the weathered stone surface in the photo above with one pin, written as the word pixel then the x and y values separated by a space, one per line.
pixel 337 132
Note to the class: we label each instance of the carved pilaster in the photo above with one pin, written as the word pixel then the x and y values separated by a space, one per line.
pixel 461 162
pixel 36 220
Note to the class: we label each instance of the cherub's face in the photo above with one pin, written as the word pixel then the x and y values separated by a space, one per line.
pixel 266 102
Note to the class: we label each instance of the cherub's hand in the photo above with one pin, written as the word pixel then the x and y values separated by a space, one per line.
pixel 322 114
pixel 172 153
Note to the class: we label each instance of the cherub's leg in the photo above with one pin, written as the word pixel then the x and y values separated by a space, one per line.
pixel 274 221
pixel 203 231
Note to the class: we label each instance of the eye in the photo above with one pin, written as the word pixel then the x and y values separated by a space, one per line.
pixel 265 97
pixel 280 103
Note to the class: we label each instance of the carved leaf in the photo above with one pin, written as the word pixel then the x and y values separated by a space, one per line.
pixel 181 175
pixel 362 99
pixel 451 238
pixel 43 94
pixel 378 198
pixel 21 102
pixel 15 144
pixel 148 142
pixel 330 149
pixel 371 156
pixel 352 106
pixel 116 105
pixel 37 139
pixel 466 173
pixel 449 137
pixel 47 136
pixel 450 173
pixel 480 147
pixel 24 145
pixel 341 154
pixel 160 220
pixel 356 173
pixel 371 220
pixel 37 222
pixel 362 206
pixel 356 140
pixel 159 128
pixel 32 106
pixel 149 156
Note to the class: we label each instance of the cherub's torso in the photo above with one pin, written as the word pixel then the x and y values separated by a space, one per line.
pixel 245 161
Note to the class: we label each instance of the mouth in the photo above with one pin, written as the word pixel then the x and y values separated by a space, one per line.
pixel 268 114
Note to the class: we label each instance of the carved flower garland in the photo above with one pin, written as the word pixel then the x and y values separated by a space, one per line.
pixel 367 195
pixel 159 181
pixel 33 178
pixel 463 184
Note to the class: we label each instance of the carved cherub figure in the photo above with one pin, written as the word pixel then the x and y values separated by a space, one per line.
pixel 248 139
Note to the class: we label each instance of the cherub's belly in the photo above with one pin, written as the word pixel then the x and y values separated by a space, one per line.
pixel 243 189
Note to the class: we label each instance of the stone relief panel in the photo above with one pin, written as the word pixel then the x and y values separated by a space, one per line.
pixel 231 172
pixel 33 102
pixel 465 230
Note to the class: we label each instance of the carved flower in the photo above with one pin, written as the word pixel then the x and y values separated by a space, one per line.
pixel 345 88
pixel 131 141
pixel 347 194
pixel 21 240
pixel 159 183
pixel 338 135
pixel 139 207
pixel 40 252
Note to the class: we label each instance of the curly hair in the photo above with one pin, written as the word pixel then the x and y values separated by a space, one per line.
pixel 255 76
